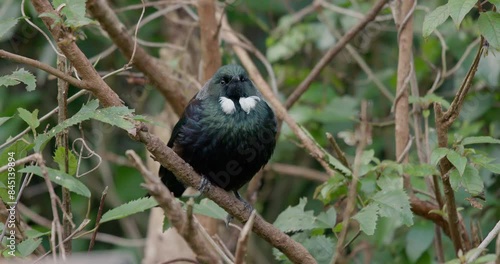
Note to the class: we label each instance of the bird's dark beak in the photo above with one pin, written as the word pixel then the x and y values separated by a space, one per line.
pixel 235 78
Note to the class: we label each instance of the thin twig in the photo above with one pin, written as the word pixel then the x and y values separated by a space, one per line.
pixel 297 171
pixel 243 240
pixel 363 131
pixel 98 218
pixel 491 235
pixel 338 151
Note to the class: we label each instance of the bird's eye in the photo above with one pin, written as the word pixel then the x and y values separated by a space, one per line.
pixel 222 81
pixel 243 79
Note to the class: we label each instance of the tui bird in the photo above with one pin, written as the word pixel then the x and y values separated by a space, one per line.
pixel 226 133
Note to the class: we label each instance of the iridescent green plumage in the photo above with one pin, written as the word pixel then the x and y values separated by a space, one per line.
pixel 227 132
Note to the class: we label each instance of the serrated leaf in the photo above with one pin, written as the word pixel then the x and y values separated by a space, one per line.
pixel 111 115
pixel 435 18
pixel 489 26
pixel 460 8
pixel 320 247
pixel 438 154
pixel 116 116
pixel 4 119
pixel 7 24
pixel 480 140
pixel 394 204
pixel 72 161
pixel 327 219
pixel 209 208
pixel 18 76
pixel 367 218
pixel 472 181
pixel 457 160
pixel 74 12
pixel 294 218
pixel 28 246
pixel 67 181
pixel 30 118
pixel 130 208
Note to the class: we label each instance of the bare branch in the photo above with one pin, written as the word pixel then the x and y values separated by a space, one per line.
pixel 209 38
pixel 243 239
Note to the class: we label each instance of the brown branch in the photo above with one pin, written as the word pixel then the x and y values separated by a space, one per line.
pixel 243 240
pixel 150 66
pixel 45 67
pixel 174 212
pixel 338 151
pixel 66 43
pixel 210 52
pixel 170 160
pixel 443 123
pixel 330 54
pixel 98 218
pixel 297 171
pixel 266 91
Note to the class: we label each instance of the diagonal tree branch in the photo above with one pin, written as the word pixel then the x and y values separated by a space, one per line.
pixel 150 66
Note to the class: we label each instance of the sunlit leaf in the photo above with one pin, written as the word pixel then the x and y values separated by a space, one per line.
pixel 67 181
pixel 435 18
pixel 60 160
pixel 19 76
pixel 457 160
pixel 489 26
pixel 480 140
pixel 367 218
pixel 472 181
pixel 460 8
pixel 438 154
pixel 130 208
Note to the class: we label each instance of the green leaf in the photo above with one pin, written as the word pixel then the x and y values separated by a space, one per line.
pixel 4 119
pixel 116 116
pixel 367 218
pixel 67 181
pixel 420 170
pixel 455 179
pixel 17 150
pixel 30 118
pixel 112 115
pixel 74 12
pixel 17 77
pixel 418 240
pixel 7 24
pixel 496 3
pixel 472 181
pixel 489 26
pixel 33 233
pixel 394 204
pixel 294 218
pixel 435 18
pixel 209 208
pixel 480 140
pixel 438 154
pixel 28 246
pixel 59 159
pixel 327 219
pixel 130 208
pixel 460 8
pixel 320 247
pixel 495 168
pixel 457 160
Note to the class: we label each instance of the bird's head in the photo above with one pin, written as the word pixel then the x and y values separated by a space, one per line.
pixel 231 81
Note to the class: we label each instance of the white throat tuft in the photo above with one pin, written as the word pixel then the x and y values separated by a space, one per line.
pixel 248 103
pixel 227 105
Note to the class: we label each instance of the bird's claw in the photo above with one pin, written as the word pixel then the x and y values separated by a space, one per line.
pixel 204 184
pixel 248 207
